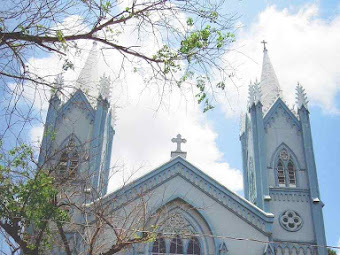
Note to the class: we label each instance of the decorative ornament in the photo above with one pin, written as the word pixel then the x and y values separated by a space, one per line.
pixel 176 224
pixel 251 95
pixel 257 92
pixel 290 221
pixel 301 97
pixel 284 155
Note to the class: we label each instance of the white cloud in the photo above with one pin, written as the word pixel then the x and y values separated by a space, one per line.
pixel 36 135
pixel 145 128
pixel 145 125
pixel 303 48
pixel 338 250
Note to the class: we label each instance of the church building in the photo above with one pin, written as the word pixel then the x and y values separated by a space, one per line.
pixel 177 205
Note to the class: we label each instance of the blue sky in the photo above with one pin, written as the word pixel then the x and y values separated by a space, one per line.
pixel 325 124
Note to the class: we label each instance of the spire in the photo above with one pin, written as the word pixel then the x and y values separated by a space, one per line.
pixel 301 97
pixel 269 84
pixel 88 77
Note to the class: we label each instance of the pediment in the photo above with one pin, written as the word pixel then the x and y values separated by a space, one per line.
pixel 280 107
pixel 179 167
pixel 78 100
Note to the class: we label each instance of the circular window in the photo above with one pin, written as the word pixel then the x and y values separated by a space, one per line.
pixel 290 220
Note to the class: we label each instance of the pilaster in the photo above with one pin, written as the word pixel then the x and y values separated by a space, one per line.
pixel 316 203
pixel 259 156
pixel 51 117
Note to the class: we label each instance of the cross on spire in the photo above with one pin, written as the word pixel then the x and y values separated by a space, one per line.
pixel 264 44
pixel 178 152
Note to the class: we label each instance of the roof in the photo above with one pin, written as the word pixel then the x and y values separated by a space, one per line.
pixel 179 166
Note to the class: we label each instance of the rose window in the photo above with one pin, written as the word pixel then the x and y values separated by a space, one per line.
pixel 290 220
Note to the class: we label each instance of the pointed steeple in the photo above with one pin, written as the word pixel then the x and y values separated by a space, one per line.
pixel 88 78
pixel 270 86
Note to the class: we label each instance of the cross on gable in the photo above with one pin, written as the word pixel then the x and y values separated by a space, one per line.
pixel 178 140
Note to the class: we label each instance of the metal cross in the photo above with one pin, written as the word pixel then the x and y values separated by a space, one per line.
pixel 264 44
pixel 178 140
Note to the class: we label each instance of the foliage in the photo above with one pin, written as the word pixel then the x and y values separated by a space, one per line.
pixel 331 252
pixel 27 199
pixel 191 36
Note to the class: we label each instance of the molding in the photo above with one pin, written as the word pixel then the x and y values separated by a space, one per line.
pixel 289 194
pixel 180 167
pixel 292 245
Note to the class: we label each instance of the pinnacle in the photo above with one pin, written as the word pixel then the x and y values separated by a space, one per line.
pixel 301 97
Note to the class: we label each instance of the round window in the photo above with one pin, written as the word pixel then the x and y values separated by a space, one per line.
pixel 290 220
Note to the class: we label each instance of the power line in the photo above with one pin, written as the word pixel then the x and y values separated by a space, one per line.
pixel 229 237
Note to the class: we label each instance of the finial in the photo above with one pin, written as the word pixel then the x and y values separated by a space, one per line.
pixel 301 97
pixel 257 92
pixel 178 152
pixel 105 87
pixel 264 45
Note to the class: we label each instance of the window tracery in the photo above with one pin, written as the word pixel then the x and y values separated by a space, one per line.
pixel 291 220
pixel 69 161
pixel 285 170
pixel 180 233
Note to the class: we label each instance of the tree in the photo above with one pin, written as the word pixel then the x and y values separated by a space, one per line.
pixel 190 38
pixel 331 252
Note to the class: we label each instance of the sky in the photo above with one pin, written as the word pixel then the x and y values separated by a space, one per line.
pixel 303 43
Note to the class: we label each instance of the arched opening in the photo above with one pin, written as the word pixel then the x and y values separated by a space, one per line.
pixel 285 165
pixel 291 174
pixel 194 247
pixel 281 174
pixel 184 231
pixel 159 246
pixel 176 246
pixel 68 164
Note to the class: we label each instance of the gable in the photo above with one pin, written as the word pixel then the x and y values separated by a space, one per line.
pixel 273 112
pixel 78 100
pixel 178 170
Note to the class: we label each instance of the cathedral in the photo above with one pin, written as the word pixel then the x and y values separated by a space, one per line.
pixel 177 208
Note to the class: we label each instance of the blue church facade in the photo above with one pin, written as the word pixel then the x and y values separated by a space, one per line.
pixel 280 214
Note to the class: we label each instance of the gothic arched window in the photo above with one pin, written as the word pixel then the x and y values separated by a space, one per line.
pixel 159 247
pixel 291 173
pixel 281 174
pixel 176 246
pixel 194 247
pixel 62 171
pixel 68 164
pixel 285 170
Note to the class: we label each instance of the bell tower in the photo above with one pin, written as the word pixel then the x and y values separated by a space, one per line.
pixel 279 168
pixel 77 141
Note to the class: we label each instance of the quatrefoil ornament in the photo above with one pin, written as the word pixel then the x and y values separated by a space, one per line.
pixel 291 220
